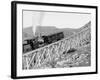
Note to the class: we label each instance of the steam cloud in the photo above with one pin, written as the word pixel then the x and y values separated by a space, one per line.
pixel 37 21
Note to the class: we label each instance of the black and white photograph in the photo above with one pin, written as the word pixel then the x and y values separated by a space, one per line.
pixel 54 39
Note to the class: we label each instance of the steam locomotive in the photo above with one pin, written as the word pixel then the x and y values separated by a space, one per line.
pixel 32 44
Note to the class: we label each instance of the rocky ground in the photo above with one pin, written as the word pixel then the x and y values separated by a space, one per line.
pixel 81 57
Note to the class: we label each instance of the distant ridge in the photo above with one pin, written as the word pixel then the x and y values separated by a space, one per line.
pixel 47 30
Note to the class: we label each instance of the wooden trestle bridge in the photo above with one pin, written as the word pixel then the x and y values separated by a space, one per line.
pixel 36 58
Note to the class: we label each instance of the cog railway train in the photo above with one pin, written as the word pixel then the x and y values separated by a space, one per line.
pixel 32 44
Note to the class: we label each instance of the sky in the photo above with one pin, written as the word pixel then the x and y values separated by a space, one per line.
pixel 59 20
pixel 56 19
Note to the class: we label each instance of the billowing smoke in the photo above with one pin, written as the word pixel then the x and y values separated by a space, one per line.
pixel 37 20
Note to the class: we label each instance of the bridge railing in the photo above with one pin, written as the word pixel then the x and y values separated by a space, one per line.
pixel 51 53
